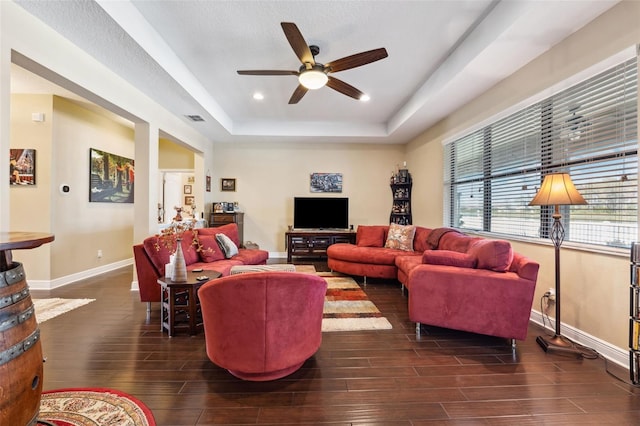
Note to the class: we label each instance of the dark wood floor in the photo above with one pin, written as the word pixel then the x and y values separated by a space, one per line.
pixel 370 377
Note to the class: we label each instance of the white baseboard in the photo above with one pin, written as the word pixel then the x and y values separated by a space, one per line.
pixel 68 279
pixel 613 353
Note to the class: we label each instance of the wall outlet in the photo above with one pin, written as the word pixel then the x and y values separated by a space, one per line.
pixel 99 254
pixel 551 294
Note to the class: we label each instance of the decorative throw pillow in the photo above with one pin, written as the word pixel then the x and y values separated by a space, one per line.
pixel 210 251
pixel 370 236
pixel 229 229
pixel 228 247
pixel 495 255
pixel 400 237
pixel 449 258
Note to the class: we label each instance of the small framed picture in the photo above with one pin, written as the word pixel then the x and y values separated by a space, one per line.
pixel 208 183
pixel 22 167
pixel 187 189
pixel 188 200
pixel 227 184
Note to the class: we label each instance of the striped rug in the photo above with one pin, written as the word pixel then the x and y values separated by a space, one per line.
pixel 346 305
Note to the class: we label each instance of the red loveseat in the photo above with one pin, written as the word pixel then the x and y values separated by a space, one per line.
pixel 262 325
pixel 151 257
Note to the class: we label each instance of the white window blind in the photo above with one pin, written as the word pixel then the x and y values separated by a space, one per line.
pixel 588 130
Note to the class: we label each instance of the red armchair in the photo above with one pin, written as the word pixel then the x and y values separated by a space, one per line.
pixel 264 325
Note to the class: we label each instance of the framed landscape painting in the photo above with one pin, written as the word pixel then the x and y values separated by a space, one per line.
pixel 111 177
pixel 326 182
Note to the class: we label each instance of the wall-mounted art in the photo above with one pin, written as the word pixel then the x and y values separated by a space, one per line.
pixel 326 182
pixel 111 177
pixel 22 166
pixel 227 184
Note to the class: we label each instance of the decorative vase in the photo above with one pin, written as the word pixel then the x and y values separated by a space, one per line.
pixel 179 270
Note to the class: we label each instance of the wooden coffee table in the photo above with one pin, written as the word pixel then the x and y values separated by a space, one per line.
pixel 179 303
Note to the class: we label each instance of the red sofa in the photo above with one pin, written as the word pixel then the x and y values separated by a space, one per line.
pixel 458 281
pixel 263 325
pixel 151 257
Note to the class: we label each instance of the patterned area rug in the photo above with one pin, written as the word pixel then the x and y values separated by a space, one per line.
pixel 347 307
pixel 95 406
pixel 50 308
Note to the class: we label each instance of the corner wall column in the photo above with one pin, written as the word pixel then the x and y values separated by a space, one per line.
pixel 5 120
pixel 145 219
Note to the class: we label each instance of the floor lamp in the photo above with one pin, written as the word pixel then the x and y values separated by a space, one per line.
pixel 557 189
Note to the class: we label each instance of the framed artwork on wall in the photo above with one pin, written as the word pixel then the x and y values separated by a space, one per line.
pixel 228 184
pixel 188 200
pixel 187 189
pixel 22 166
pixel 111 177
pixel 326 182
pixel 208 183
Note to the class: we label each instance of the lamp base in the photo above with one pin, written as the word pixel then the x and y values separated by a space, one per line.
pixel 558 345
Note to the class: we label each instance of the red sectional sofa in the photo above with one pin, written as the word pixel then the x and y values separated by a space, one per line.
pixel 151 257
pixel 454 280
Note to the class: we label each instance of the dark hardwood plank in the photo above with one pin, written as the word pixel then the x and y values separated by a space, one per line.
pixel 386 377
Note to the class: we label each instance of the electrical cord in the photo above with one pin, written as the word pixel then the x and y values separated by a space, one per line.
pixel 585 351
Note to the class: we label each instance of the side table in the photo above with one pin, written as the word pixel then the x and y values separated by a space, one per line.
pixel 179 303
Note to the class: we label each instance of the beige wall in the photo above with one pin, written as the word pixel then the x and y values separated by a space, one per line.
pixel 30 206
pixel 81 228
pixel 174 157
pixel 268 176
pixel 594 285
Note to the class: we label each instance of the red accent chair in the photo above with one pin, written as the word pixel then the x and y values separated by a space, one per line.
pixel 264 325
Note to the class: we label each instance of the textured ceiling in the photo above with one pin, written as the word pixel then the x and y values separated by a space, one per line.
pixel 442 53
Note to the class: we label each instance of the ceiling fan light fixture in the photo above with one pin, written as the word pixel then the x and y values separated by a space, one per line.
pixel 313 78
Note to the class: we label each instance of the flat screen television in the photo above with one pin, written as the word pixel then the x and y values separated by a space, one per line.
pixel 320 213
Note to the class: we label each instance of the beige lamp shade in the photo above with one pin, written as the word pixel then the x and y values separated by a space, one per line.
pixel 557 189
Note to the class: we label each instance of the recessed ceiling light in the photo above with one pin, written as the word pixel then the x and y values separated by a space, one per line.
pixel 258 96
pixel 365 98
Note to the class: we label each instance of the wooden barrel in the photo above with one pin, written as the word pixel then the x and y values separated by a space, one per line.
pixel 20 351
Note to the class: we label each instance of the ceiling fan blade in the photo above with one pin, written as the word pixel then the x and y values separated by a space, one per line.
pixel 298 94
pixel 297 42
pixel 267 72
pixel 344 88
pixel 357 60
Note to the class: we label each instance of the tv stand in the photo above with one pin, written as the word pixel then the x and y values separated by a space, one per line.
pixel 314 242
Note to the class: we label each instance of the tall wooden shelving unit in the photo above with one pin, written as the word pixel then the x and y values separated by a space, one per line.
pixel 634 315
pixel 401 192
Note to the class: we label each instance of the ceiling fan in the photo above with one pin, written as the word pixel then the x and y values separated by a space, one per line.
pixel 314 75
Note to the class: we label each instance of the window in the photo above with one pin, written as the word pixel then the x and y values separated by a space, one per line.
pixel 588 130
